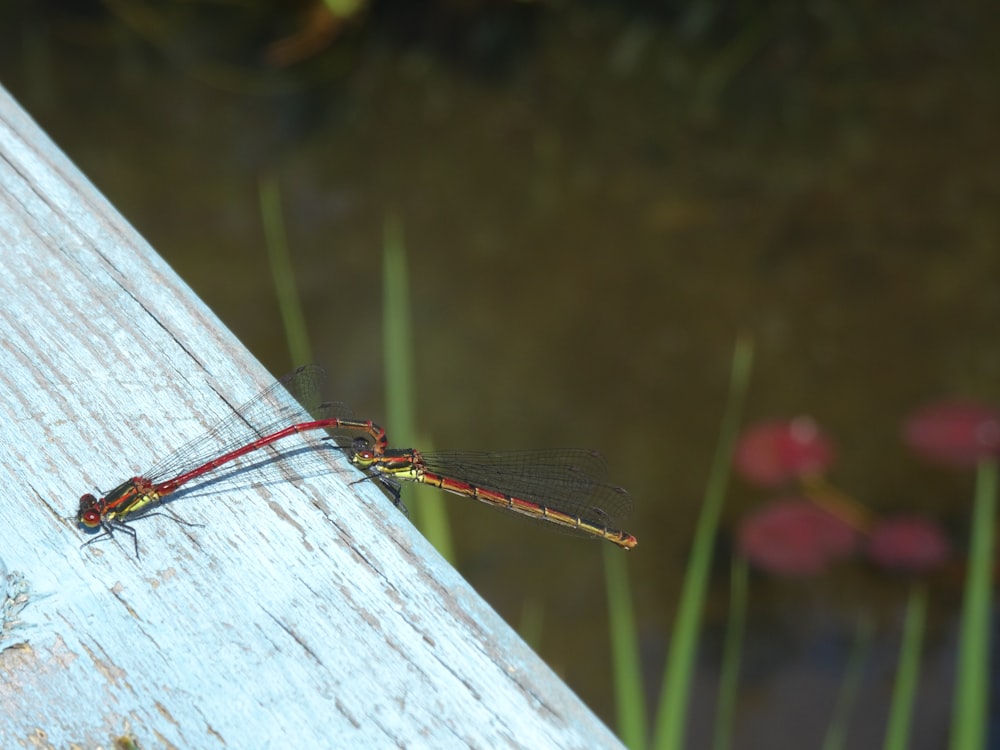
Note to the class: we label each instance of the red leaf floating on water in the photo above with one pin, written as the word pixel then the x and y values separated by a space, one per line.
pixel 909 544
pixel 957 434
pixel 795 538
pixel 771 453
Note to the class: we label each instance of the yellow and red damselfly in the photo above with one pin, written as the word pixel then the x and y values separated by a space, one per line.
pixel 568 488
pixel 286 408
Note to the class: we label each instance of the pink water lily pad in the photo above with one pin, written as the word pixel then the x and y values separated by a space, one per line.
pixel 908 544
pixel 795 538
pixel 959 434
pixel 771 453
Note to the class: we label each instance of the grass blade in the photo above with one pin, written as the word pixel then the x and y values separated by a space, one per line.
pixel 670 716
pixel 630 698
pixel 837 732
pixel 276 243
pixel 908 675
pixel 968 724
pixel 732 654
pixel 429 512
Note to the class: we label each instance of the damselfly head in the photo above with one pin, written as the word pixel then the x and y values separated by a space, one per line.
pixel 89 515
pixel 363 458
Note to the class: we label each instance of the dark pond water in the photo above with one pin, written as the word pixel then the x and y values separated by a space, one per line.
pixel 595 204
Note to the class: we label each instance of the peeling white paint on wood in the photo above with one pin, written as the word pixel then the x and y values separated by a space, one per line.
pixel 303 613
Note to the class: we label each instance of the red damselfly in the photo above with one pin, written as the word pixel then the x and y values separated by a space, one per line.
pixel 568 488
pixel 286 408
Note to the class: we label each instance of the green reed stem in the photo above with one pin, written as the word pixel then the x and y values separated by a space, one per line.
pixel 968 723
pixel 276 242
pixel 672 710
pixel 429 513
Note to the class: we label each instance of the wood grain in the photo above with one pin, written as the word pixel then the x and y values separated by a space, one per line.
pixel 305 613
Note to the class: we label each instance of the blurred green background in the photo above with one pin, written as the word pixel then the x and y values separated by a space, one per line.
pixel 596 199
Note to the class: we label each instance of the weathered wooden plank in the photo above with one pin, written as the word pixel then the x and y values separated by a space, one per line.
pixel 304 612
